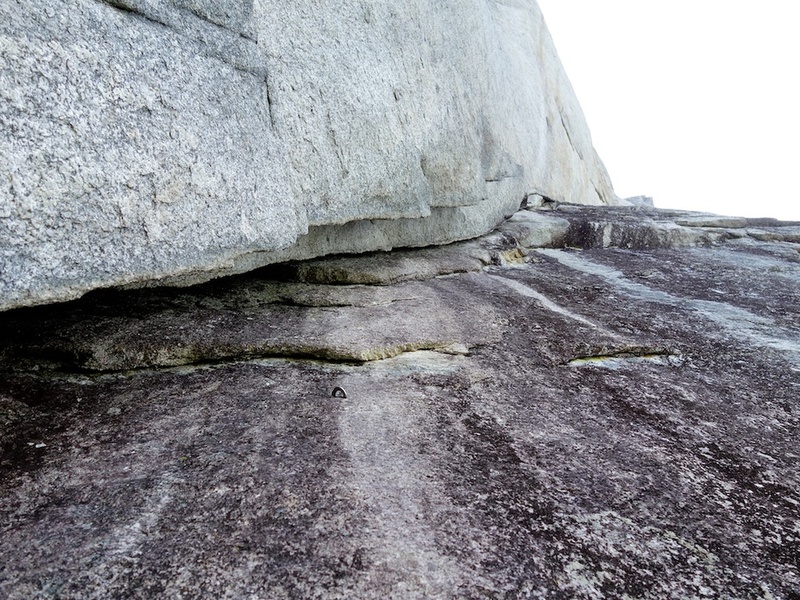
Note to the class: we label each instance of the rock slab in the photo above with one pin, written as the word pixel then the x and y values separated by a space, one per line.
pixel 174 141
pixel 602 408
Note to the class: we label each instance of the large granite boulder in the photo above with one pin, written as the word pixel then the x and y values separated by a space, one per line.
pixel 178 140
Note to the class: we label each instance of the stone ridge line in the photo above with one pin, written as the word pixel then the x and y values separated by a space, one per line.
pixel 528 292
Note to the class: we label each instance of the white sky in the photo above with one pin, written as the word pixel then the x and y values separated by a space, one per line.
pixel 693 102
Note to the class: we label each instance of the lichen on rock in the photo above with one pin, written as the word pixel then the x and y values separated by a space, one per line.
pixel 606 419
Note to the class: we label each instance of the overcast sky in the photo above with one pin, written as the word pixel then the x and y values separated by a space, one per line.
pixel 696 103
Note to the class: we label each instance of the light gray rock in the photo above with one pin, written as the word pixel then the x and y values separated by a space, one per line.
pixel 174 141
pixel 641 201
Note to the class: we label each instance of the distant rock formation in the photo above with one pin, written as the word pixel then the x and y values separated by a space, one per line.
pixel 641 201
pixel 174 141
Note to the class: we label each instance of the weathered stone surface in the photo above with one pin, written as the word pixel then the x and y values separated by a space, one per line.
pixel 593 422
pixel 643 201
pixel 179 140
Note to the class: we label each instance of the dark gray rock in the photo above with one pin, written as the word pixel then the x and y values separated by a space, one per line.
pixel 584 420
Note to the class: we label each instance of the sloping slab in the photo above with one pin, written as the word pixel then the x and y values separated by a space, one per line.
pixel 590 423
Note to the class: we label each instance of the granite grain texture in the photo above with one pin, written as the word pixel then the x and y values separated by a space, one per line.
pixel 583 420
pixel 176 141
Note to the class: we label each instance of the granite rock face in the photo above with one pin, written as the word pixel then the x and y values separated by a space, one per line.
pixel 585 403
pixel 178 140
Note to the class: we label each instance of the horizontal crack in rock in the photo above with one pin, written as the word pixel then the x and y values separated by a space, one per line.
pixel 190 357
pixel 625 353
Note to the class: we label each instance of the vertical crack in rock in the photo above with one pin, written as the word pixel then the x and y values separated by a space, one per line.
pixel 270 108
pixel 571 143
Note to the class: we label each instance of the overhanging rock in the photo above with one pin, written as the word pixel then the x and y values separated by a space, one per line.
pixel 173 141
pixel 588 402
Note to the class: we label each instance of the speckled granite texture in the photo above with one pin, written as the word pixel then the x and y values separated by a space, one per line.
pixel 180 140
pixel 614 415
